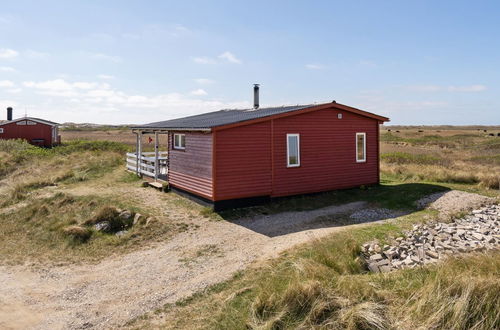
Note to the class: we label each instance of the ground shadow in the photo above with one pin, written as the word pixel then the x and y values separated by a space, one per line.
pixel 333 209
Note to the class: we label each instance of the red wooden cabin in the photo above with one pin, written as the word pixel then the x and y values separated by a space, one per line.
pixel 36 131
pixel 232 156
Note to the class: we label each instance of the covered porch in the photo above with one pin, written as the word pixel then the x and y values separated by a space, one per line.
pixel 152 164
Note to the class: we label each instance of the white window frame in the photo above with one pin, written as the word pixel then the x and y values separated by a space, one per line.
pixel 179 147
pixel 288 150
pixel 1 130
pixel 363 160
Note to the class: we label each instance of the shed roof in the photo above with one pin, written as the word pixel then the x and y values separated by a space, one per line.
pixel 232 116
pixel 42 121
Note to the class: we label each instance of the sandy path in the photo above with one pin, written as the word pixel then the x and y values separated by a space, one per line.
pixel 120 288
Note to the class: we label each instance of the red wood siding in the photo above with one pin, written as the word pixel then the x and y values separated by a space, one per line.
pixel 327 152
pixel 28 132
pixel 248 164
pixel 191 169
pixel 243 158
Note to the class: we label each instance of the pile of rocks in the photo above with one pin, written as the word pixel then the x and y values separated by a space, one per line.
pixel 430 242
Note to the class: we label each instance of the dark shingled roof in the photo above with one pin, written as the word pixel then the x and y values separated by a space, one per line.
pixel 222 117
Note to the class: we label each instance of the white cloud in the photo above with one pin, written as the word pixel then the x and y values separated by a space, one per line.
pixel 105 77
pixel 6 83
pixel 203 60
pixel 204 81
pixel 471 88
pixel 437 88
pixel 60 87
pixel 230 57
pixel 315 66
pixel 35 54
pixel 110 105
pixel 8 53
pixel 111 58
pixel 226 56
pixel 14 90
pixel 199 92
pixel 425 88
pixel 7 69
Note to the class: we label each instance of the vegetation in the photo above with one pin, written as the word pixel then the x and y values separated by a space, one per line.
pixel 59 229
pixel 325 285
pixel 469 157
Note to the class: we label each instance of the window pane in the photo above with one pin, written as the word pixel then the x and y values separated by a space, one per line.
pixel 183 141
pixel 176 140
pixel 361 147
pixel 293 150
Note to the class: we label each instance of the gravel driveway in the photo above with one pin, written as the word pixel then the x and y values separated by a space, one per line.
pixel 120 288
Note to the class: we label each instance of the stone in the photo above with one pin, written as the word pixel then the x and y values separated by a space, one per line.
pixel 137 218
pixel 432 254
pixel 121 233
pixel 376 257
pixel 383 262
pixel 125 215
pixel 373 268
pixel 478 236
pixel 103 226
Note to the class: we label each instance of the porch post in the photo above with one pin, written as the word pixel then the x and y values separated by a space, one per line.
pixel 139 153
pixel 157 165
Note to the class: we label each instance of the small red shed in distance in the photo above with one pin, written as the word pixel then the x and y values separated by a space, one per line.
pixel 39 132
pixel 229 156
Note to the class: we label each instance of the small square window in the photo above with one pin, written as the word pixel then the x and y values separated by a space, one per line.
pixel 339 116
pixel 1 130
pixel 180 141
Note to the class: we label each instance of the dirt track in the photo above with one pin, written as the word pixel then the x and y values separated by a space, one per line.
pixel 118 289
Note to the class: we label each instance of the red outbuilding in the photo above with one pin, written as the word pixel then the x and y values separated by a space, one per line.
pixel 232 156
pixel 36 131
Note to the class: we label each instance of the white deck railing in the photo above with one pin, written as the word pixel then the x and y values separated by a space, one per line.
pixel 147 164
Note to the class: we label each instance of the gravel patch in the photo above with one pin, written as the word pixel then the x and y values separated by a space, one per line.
pixel 432 242
pixel 374 214
pixel 450 202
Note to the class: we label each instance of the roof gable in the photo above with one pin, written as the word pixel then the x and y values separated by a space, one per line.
pixel 38 120
pixel 231 117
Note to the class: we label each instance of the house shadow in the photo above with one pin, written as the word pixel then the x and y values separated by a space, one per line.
pixel 339 208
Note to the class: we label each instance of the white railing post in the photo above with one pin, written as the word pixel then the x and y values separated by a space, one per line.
pixel 139 153
pixel 157 164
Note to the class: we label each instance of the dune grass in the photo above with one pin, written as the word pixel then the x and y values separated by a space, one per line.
pixel 466 158
pixel 58 229
pixel 325 285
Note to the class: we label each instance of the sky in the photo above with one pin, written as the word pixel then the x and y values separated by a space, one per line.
pixel 134 62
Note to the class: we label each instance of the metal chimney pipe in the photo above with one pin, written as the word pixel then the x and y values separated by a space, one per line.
pixel 256 96
pixel 9 113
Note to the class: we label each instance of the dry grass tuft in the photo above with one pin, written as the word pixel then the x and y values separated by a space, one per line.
pixel 78 233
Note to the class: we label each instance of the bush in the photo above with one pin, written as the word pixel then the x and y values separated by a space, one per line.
pixel 78 233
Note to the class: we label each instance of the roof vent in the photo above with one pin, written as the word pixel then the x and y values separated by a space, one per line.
pixel 9 113
pixel 256 96
pixel 334 101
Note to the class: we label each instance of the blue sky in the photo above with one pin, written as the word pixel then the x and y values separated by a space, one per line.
pixel 418 62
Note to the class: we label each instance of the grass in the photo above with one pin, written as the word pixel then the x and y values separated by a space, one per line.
pixel 325 285
pixel 464 157
pixel 55 229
